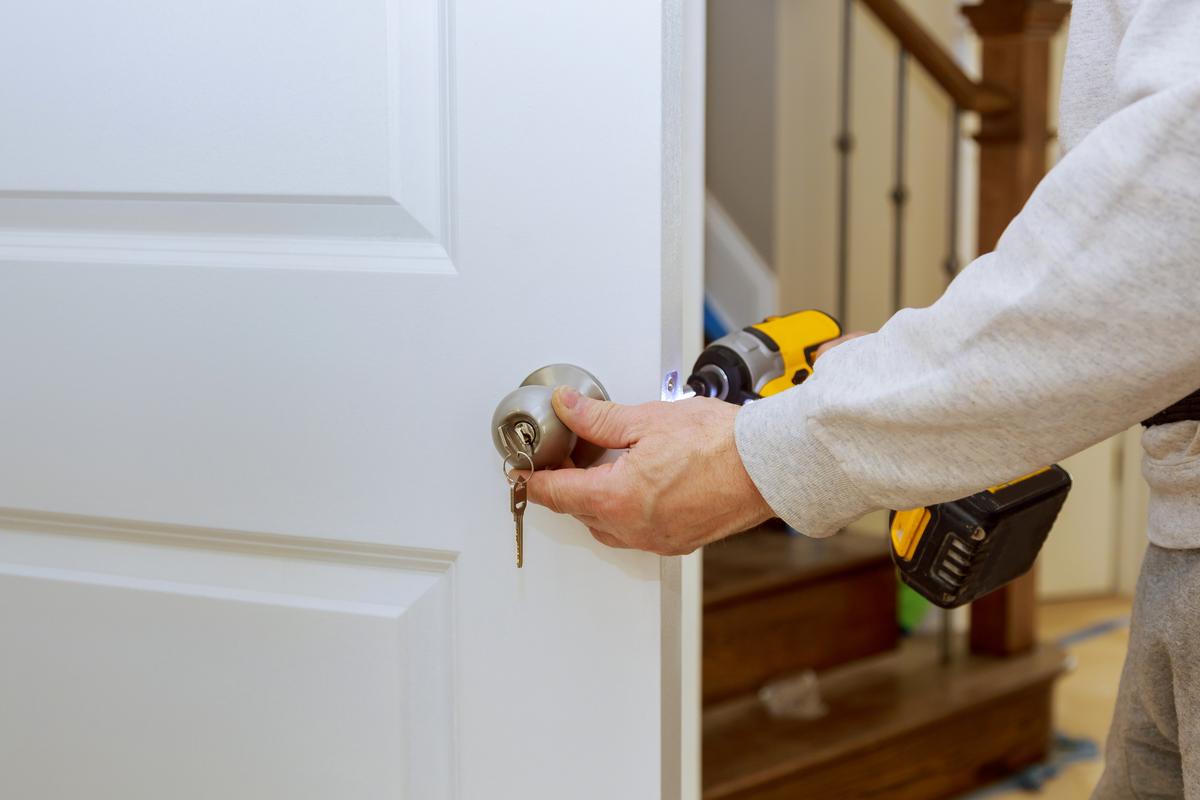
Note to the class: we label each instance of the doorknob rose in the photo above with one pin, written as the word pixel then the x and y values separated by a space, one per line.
pixel 524 421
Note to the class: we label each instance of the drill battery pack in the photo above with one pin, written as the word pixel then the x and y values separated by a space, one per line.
pixel 955 552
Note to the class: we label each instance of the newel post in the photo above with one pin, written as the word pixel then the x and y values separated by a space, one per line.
pixel 1015 36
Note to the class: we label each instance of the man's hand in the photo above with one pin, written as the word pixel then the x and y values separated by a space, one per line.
pixel 681 485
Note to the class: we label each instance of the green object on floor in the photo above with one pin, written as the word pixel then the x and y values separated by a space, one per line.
pixel 911 608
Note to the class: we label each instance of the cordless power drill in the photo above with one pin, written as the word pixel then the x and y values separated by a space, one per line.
pixel 950 553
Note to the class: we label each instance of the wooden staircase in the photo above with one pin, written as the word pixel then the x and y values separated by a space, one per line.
pixel 776 604
pixel 898 723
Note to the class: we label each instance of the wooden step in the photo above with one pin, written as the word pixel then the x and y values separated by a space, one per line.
pixel 777 603
pixel 899 726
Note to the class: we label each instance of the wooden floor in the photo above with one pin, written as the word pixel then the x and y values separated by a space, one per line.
pixel 1084 697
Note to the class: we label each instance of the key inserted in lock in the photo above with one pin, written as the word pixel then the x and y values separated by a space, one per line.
pixel 525 422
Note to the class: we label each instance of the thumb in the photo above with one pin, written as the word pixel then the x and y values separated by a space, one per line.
pixel 598 421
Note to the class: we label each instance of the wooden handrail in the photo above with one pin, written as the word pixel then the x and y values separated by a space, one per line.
pixel 968 94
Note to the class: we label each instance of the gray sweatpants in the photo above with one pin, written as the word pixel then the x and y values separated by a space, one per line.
pixel 1154 745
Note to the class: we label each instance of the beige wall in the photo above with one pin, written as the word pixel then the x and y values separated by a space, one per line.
pixel 1131 524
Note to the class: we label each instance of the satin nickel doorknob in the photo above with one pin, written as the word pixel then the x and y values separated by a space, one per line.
pixel 525 422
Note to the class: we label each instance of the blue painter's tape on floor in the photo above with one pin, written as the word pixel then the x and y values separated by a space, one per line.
pixel 1092 631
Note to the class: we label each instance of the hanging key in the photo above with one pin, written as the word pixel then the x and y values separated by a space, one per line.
pixel 517 496
pixel 517 501
pixel 528 434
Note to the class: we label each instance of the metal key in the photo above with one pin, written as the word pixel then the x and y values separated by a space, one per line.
pixel 517 501
pixel 520 439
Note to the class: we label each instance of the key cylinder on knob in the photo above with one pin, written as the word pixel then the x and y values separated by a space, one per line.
pixel 524 421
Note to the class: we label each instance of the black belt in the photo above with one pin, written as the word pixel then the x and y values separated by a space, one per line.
pixel 1185 409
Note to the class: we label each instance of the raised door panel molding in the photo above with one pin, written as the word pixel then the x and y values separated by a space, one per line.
pixel 304 134
pixel 324 668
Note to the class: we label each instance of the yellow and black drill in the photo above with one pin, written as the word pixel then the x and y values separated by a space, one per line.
pixel 950 553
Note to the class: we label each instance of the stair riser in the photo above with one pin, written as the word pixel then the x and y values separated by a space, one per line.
pixel 819 624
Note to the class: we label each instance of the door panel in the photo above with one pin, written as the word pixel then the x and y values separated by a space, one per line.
pixel 265 269
pixel 217 124
pixel 221 666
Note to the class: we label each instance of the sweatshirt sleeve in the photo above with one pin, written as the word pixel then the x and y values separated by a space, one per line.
pixel 1082 322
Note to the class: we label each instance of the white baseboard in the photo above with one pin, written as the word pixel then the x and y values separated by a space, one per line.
pixel 739 286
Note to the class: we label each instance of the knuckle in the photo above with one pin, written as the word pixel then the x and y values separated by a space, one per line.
pixel 552 494
pixel 607 506
pixel 669 548
pixel 536 490
pixel 607 498
pixel 606 539
pixel 604 417
pixel 638 538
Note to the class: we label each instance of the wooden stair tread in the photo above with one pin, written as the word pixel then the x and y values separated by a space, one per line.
pixel 764 560
pixel 870 703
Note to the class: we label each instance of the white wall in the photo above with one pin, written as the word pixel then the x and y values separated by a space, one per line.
pixel 741 288
pixel 741 115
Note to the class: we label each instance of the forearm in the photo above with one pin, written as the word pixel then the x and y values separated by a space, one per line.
pixel 1078 325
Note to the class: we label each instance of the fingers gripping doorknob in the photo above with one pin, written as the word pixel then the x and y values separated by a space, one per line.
pixel 529 435
pixel 525 423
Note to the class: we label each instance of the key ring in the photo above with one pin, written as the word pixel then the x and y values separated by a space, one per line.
pixel 520 480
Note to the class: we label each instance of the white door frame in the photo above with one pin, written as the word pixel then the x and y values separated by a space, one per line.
pixel 684 32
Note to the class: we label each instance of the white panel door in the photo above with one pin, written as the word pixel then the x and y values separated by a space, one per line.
pixel 266 266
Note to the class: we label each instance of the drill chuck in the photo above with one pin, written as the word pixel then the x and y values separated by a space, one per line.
pixel 736 367
pixel 763 359
pixel 710 381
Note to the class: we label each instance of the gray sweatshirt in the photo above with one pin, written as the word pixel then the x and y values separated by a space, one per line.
pixel 1083 321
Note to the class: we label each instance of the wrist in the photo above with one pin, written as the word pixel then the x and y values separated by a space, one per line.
pixel 753 507
pixel 794 472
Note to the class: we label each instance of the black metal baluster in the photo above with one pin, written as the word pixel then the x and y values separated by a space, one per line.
pixel 899 194
pixel 951 264
pixel 845 146
pixel 946 623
